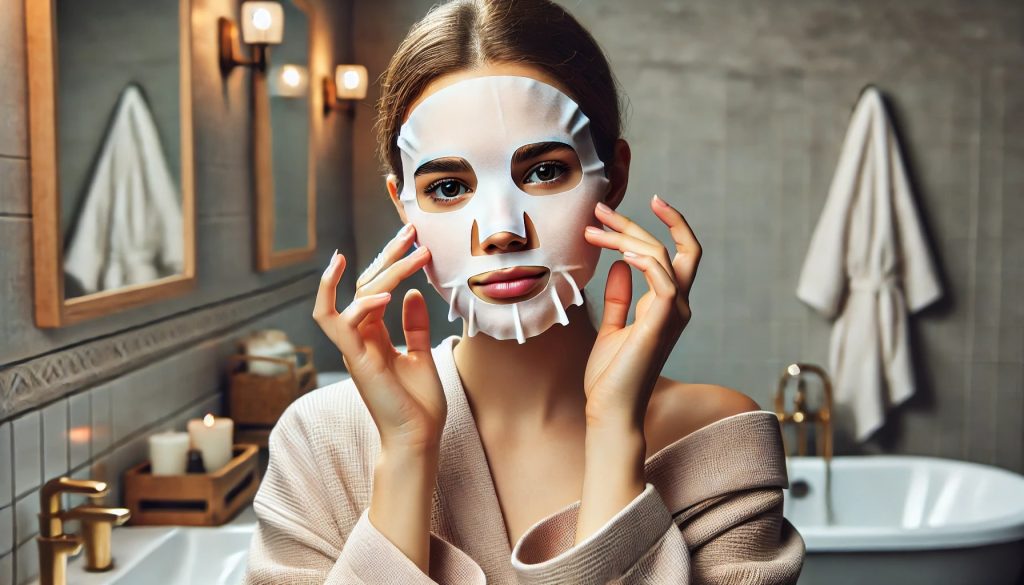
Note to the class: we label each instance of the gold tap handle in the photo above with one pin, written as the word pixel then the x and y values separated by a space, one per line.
pixel 49 500
pixel 87 513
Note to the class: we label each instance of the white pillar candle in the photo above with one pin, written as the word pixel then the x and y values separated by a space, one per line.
pixel 213 437
pixel 168 453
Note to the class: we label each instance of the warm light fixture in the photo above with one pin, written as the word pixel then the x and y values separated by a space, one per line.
pixel 349 84
pixel 262 26
pixel 289 80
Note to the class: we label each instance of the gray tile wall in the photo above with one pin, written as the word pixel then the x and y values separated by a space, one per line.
pixel 736 112
pixel 99 431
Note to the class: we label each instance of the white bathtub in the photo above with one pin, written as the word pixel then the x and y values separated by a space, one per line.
pixel 907 520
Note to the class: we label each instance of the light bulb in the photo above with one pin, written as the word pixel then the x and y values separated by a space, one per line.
pixel 350 79
pixel 262 19
pixel 291 76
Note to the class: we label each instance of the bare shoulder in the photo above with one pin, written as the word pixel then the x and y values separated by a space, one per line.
pixel 677 409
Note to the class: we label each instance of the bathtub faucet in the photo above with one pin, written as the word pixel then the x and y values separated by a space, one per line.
pixel 800 416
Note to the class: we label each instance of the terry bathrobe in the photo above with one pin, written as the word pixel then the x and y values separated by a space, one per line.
pixel 711 511
pixel 868 262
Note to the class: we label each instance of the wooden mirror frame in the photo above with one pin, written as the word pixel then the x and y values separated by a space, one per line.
pixel 52 309
pixel 263 164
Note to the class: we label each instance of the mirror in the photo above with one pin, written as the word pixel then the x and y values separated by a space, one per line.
pixel 284 168
pixel 111 155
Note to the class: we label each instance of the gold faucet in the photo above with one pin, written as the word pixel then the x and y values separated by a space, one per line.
pixel 97 522
pixel 822 417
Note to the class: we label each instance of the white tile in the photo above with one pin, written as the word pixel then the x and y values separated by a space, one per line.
pixel 26 518
pixel 28 563
pixel 6 530
pixel 6 468
pixel 28 452
pixel 79 429
pixel 7 569
pixel 55 440
pixel 101 427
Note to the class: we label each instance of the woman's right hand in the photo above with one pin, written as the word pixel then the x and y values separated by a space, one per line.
pixel 402 391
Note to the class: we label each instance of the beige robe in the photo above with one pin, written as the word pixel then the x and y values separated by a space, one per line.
pixel 711 511
pixel 869 266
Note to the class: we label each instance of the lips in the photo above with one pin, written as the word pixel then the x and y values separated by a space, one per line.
pixel 510 282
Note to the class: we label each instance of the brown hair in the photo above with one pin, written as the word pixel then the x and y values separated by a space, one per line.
pixel 462 34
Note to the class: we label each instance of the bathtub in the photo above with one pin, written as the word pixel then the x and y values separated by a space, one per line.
pixel 907 520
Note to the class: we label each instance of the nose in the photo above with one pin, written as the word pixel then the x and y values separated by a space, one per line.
pixel 504 241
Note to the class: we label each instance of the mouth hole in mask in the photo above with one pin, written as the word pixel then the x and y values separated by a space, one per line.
pixel 546 168
pixel 509 285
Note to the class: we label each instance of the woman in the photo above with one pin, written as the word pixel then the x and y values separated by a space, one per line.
pixel 536 447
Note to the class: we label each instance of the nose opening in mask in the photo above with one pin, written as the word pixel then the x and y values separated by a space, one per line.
pixel 501 242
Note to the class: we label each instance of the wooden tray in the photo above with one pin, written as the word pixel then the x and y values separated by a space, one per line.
pixel 193 499
pixel 256 402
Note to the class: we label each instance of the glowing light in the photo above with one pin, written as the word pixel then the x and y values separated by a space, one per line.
pixel 291 76
pixel 208 420
pixel 350 79
pixel 262 19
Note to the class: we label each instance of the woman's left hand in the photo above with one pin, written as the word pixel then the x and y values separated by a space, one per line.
pixel 627 360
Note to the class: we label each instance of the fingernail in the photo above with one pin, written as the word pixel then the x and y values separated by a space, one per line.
pixel 594 230
pixel 603 208
pixel 629 254
pixel 660 201
pixel 330 263
pixel 405 231
pixel 383 295
pixel 420 251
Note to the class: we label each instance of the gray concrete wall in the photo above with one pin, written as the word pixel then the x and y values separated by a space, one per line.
pixel 177 384
pixel 737 113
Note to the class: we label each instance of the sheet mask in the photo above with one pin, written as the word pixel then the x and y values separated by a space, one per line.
pixel 485 120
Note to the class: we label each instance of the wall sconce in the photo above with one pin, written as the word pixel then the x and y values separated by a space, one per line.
pixel 349 84
pixel 262 26
pixel 289 81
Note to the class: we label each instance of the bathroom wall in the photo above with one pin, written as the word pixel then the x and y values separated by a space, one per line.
pixel 736 114
pixel 81 400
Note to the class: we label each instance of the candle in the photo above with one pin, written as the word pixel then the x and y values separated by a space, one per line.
pixel 168 453
pixel 213 437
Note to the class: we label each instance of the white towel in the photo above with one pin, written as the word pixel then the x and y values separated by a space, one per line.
pixel 869 249
pixel 130 228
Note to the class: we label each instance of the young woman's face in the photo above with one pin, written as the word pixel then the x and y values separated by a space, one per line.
pixel 500 179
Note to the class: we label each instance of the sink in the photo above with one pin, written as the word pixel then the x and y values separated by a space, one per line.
pixel 174 555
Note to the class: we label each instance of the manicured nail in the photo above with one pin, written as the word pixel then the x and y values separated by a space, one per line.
pixel 330 263
pixel 660 201
pixel 603 208
pixel 405 231
pixel 629 254
pixel 594 230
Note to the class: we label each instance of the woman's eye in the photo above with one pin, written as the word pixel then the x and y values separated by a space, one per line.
pixel 545 172
pixel 446 191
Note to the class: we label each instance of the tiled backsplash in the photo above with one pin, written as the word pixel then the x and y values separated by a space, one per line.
pixel 97 433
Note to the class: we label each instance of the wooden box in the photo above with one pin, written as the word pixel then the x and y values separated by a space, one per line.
pixel 256 402
pixel 193 499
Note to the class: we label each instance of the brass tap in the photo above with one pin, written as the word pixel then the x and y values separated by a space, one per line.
pixel 800 416
pixel 55 546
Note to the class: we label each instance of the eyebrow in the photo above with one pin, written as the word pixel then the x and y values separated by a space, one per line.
pixel 531 151
pixel 444 165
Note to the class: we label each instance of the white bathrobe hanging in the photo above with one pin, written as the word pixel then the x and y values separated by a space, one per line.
pixel 130 229
pixel 869 249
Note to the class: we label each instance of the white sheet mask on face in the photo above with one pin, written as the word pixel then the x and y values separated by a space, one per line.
pixel 485 120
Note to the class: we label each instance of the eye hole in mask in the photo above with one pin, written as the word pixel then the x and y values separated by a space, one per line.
pixel 546 168
pixel 542 168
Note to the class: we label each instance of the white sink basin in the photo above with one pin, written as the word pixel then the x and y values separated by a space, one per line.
pixel 174 555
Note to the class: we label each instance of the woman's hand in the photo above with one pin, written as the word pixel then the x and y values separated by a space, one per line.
pixel 402 391
pixel 626 360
